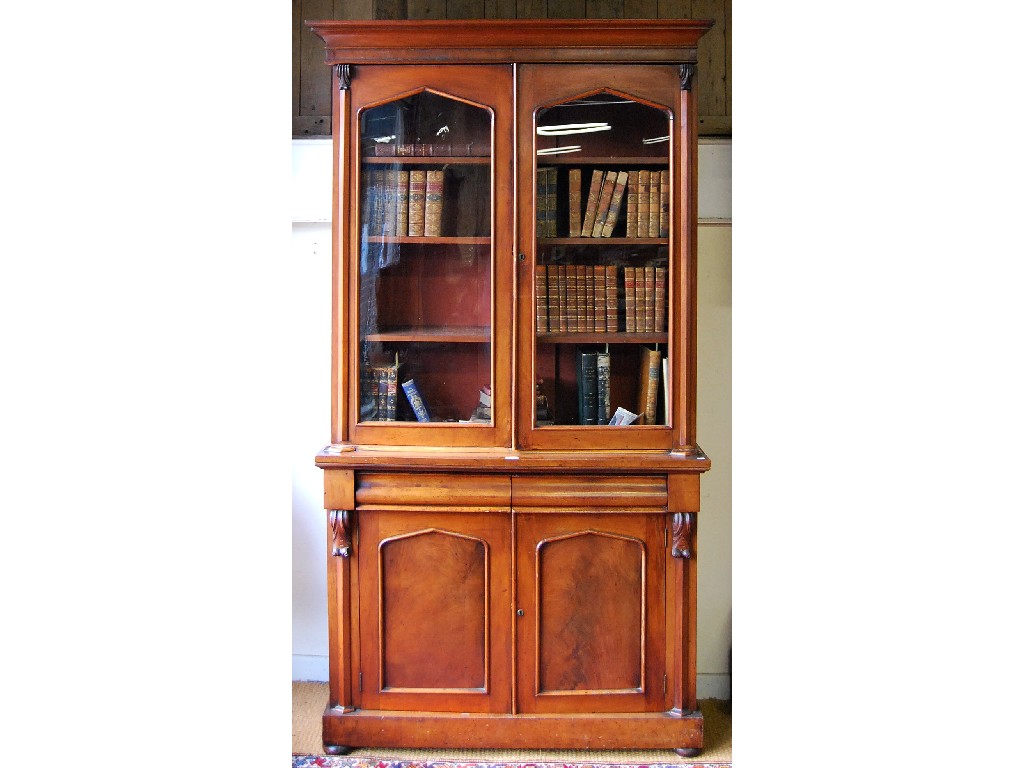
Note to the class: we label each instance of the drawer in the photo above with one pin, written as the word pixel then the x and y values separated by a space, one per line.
pixel 390 489
pixel 590 492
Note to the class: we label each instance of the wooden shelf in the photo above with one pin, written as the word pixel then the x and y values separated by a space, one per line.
pixel 602 241
pixel 574 160
pixel 470 334
pixel 616 337
pixel 406 240
pixel 431 160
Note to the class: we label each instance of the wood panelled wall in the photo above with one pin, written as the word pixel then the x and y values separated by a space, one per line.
pixel 311 78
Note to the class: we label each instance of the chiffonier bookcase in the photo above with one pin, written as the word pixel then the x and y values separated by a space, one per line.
pixel 512 486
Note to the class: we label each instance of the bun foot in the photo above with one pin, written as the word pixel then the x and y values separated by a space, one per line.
pixel 688 751
pixel 336 749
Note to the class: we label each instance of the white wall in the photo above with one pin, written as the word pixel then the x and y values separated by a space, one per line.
pixel 310 395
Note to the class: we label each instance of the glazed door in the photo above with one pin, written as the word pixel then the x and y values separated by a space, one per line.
pixel 591 637
pixel 600 278
pixel 429 250
pixel 434 619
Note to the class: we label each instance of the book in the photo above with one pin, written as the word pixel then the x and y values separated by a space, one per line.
pixel 378 179
pixel 643 205
pixel 391 392
pixel 412 394
pixel 632 197
pixel 639 301
pixel 417 197
pixel 654 204
pixel 542 202
pixel 402 205
pixel 390 203
pixel 593 198
pixel 661 299
pixel 647 385
pixel 649 299
pixel 604 381
pixel 575 200
pixel 588 278
pixel 563 306
pixel 551 203
pixel 581 298
pixel 629 284
pixel 616 203
pixel 541 279
pixel 663 225
pixel 571 298
pixel 604 203
pixel 611 291
pixel 586 386
pixel 433 203
pixel 600 299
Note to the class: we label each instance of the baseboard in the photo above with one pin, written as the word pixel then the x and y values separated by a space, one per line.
pixel 314 669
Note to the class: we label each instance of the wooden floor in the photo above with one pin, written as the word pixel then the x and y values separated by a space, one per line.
pixel 310 699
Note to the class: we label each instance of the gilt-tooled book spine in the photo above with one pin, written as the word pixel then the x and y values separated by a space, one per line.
pixel 402 205
pixel 575 200
pixel 649 299
pixel 563 299
pixel 591 298
pixel 639 304
pixel 571 296
pixel 551 205
pixel 593 198
pixel 611 289
pixel 412 394
pixel 654 204
pixel 600 299
pixel 417 199
pixel 604 380
pixel 661 299
pixel 616 204
pixel 542 202
pixel 541 279
pixel 632 201
pixel 643 205
pixel 554 300
pixel 378 180
pixel 629 283
pixel 392 392
pixel 586 384
pixel 607 190
pixel 650 374
pixel 663 228
pixel 434 204
pixel 390 203
pixel 581 298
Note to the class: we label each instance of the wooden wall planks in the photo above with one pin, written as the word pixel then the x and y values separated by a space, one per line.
pixel 311 78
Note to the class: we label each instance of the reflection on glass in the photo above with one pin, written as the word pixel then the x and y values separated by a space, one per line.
pixel 601 277
pixel 425 261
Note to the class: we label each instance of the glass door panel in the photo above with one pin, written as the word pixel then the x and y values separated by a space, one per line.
pixel 601 270
pixel 425 261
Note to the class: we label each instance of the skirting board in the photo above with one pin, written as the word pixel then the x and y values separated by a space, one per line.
pixel 314 669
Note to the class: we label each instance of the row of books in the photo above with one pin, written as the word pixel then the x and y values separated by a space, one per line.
pixel 646 195
pixel 574 298
pixel 403 203
pixel 593 381
pixel 472 149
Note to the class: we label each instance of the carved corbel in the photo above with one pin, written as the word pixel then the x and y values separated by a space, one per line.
pixel 686 75
pixel 683 528
pixel 341 527
pixel 344 76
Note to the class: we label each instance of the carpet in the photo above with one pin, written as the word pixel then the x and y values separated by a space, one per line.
pixel 310 699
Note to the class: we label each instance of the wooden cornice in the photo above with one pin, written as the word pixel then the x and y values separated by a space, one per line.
pixel 511 40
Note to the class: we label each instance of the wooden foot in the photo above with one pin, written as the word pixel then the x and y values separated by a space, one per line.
pixel 688 752
pixel 336 749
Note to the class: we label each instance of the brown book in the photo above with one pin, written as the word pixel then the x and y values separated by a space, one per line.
pixel 551 207
pixel 630 296
pixel 643 205
pixel 554 305
pixel 611 290
pixel 616 204
pixel 434 204
pixel 542 298
pixel 417 197
pixel 640 301
pixel 600 299
pixel 663 228
pixel 402 205
pixel 563 311
pixel 647 385
pixel 390 208
pixel 649 299
pixel 581 298
pixel 571 297
pixel 593 198
pixel 575 200
pixel 660 299
pixel 603 206
pixel 591 299
pixel 632 198
pixel 654 204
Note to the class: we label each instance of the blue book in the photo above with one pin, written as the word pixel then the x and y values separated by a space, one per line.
pixel 416 400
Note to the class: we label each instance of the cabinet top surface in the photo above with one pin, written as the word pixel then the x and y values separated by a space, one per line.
pixel 511 40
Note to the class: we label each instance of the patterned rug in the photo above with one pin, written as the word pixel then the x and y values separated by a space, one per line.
pixel 326 761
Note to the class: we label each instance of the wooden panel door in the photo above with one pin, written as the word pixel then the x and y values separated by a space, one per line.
pixel 435 623
pixel 591 635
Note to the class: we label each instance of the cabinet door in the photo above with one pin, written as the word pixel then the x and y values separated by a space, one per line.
pixel 591 637
pixel 429 256
pixel 434 616
pixel 601 227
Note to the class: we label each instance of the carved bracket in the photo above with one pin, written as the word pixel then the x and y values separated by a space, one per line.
pixel 344 76
pixel 341 527
pixel 686 74
pixel 684 526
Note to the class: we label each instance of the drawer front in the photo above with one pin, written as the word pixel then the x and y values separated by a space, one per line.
pixel 431 490
pixel 535 492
